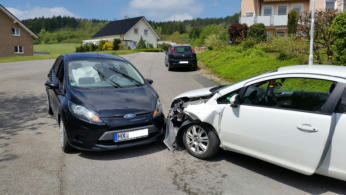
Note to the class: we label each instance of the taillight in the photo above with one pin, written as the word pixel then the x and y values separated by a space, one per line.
pixel 193 51
pixel 172 50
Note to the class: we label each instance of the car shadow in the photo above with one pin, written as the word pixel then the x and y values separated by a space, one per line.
pixel 315 184
pixel 124 153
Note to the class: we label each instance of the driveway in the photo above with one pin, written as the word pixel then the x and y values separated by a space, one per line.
pixel 31 161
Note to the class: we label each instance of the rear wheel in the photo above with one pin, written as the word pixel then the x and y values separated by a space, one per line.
pixel 201 141
pixel 65 146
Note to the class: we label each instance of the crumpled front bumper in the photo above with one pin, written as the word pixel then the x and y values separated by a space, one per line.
pixel 171 135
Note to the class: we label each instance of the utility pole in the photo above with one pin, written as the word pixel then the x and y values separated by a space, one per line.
pixel 311 56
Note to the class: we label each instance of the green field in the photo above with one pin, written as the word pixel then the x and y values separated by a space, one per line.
pixel 61 48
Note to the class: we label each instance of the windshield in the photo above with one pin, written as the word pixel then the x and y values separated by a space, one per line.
pixel 182 49
pixel 95 73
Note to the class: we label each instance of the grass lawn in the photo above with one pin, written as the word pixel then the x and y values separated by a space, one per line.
pixel 233 63
pixel 61 48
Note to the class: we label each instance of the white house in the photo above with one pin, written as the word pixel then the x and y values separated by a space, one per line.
pixel 129 31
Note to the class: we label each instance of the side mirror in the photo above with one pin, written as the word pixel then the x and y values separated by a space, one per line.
pixel 234 101
pixel 150 81
pixel 52 85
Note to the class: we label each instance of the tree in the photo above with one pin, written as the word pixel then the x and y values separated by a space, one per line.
pixel 338 30
pixel 292 22
pixel 141 44
pixel 116 43
pixel 237 32
pixel 323 38
pixel 257 32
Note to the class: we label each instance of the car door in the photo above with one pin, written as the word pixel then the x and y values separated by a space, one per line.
pixel 282 121
pixel 52 78
pixel 57 76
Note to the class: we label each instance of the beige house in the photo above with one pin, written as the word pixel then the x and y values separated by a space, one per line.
pixel 15 37
pixel 129 31
pixel 274 13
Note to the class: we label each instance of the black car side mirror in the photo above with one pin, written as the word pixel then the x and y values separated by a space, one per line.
pixel 52 85
pixel 150 81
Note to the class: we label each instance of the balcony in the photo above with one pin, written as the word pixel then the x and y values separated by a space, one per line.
pixel 274 20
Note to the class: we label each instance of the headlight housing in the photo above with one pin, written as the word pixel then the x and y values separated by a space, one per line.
pixel 158 109
pixel 83 113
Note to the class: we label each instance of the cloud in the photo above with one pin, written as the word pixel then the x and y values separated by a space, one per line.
pixel 165 9
pixel 40 12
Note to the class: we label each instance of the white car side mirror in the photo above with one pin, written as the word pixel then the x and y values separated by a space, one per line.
pixel 234 100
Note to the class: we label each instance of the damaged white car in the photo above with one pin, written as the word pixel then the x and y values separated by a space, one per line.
pixel 293 117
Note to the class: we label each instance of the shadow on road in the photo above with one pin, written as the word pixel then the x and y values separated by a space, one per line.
pixel 314 184
pixel 125 153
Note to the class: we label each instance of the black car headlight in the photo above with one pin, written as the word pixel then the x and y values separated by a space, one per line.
pixel 83 113
pixel 158 109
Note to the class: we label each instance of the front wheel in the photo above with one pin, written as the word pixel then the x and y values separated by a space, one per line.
pixel 201 141
pixel 65 146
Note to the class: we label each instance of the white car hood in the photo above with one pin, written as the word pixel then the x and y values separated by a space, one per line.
pixel 195 93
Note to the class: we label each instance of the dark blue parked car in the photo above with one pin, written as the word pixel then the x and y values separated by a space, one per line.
pixel 102 102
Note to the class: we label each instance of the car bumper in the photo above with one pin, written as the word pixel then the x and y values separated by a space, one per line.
pixel 91 137
pixel 191 63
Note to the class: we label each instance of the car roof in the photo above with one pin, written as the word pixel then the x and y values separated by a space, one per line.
pixel 182 45
pixel 76 56
pixel 329 70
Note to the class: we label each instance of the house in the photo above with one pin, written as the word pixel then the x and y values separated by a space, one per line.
pixel 15 37
pixel 274 13
pixel 129 31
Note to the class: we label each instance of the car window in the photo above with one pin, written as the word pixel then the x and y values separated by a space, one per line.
pixel 60 72
pixel 93 73
pixel 182 49
pixel 56 65
pixel 226 98
pixel 291 93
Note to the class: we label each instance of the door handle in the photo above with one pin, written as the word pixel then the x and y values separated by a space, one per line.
pixel 307 128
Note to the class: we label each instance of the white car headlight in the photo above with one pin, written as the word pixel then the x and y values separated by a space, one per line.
pixel 158 109
pixel 84 113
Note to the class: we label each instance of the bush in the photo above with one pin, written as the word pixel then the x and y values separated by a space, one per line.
pixel 288 47
pixel 100 45
pixel 338 30
pixel 150 45
pixel 108 46
pixel 257 32
pixel 213 42
pixel 292 22
pixel 116 44
pixel 250 43
pixel 237 33
pixel 164 46
pixel 141 44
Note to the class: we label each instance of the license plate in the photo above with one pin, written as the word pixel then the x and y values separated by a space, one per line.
pixel 183 62
pixel 129 135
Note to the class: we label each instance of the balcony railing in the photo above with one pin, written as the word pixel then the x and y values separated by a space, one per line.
pixel 275 20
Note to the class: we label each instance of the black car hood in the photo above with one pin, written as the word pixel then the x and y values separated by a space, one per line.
pixel 115 102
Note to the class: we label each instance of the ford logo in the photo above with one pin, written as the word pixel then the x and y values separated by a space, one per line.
pixel 130 116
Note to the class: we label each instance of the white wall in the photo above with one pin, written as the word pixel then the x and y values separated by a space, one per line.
pixel 141 26
pixel 106 38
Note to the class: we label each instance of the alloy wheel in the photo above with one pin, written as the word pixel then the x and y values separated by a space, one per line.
pixel 197 139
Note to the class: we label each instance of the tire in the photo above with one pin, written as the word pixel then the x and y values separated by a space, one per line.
pixel 50 111
pixel 65 146
pixel 197 135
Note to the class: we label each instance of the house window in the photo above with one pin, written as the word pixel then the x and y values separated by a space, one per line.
pixel 267 10
pixel 15 31
pixel 136 30
pixel 298 8
pixel 249 14
pixel 331 4
pixel 18 49
pixel 282 9
pixel 145 32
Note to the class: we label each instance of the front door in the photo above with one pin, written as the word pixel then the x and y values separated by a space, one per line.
pixel 281 121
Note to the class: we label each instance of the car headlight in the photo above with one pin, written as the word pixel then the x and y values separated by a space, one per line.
pixel 84 113
pixel 158 109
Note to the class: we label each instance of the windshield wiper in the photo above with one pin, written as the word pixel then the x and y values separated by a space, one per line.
pixel 126 76
pixel 114 84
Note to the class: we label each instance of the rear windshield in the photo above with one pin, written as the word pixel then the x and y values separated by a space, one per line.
pixel 182 49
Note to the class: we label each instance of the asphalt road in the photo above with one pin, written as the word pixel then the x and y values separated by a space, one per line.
pixel 31 161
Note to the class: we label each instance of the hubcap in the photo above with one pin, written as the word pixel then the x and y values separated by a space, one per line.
pixel 197 139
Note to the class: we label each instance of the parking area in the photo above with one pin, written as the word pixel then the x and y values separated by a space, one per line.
pixel 31 161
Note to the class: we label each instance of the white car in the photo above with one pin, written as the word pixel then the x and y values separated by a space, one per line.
pixel 293 117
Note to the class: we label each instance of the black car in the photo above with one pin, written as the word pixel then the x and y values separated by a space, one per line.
pixel 181 56
pixel 102 102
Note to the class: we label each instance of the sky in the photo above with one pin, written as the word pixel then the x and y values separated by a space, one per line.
pixel 157 10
